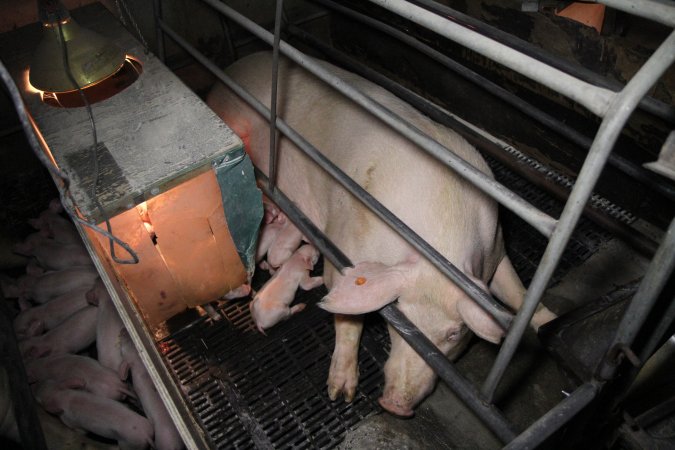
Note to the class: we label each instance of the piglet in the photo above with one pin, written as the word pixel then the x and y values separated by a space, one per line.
pixel 75 334
pixel 268 234
pixel 271 304
pixel 53 255
pixel 46 286
pixel 82 410
pixel 108 326
pixel 58 227
pixel 93 377
pixel 238 292
pixel 9 287
pixel 32 321
pixel 286 241
pixel 166 434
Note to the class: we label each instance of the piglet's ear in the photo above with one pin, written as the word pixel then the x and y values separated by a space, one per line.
pixel 367 287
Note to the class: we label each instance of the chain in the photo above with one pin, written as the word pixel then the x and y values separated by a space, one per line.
pixel 133 22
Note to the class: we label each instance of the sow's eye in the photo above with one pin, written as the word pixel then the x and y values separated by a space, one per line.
pixel 360 281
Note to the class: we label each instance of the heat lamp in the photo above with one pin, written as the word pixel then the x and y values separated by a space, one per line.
pixel 71 57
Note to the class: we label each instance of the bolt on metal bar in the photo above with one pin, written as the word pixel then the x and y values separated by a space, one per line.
pixel 648 104
pixel 554 419
pixel 594 98
pixel 661 11
pixel 273 101
pixel 485 300
pixel 644 176
pixel 621 109
pixel 161 48
pixel 540 221
pixel 658 273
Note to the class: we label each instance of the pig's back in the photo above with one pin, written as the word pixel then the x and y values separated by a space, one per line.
pixel 427 196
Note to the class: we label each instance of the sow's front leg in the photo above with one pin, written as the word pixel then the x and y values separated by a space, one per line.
pixel 343 376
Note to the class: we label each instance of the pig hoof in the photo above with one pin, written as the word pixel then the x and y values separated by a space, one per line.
pixel 394 409
pixel 334 392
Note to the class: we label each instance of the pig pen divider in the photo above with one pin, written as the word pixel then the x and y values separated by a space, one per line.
pixel 614 108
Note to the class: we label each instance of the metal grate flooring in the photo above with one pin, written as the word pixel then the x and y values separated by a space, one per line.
pixel 253 391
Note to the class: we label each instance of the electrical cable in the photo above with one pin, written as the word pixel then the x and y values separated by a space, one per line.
pixel 94 189
pixel 63 188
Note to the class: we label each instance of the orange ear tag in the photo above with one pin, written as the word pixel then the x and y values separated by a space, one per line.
pixel 360 281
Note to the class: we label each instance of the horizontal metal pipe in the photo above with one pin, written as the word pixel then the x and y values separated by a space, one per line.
pixel 540 221
pixel 611 126
pixel 662 186
pixel 661 11
pixel 649 104
pixel 485 300
pixel 554 419
pixel 463 388
pixel 485 142
pixel 595 99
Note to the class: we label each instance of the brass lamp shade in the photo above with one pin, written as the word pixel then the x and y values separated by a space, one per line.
pixel 91 58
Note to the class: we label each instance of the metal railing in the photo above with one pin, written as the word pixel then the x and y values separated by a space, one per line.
pixel 615 108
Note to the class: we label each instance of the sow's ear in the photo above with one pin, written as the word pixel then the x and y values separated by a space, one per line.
pixel 478 320
pixel 367 287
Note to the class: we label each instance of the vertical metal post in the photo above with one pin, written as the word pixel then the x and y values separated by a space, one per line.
pixel 618 113
pixel 23 403
pixel 273 103
pixel 161 49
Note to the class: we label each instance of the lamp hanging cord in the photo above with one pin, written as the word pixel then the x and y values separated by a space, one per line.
pixel 64 193
pixel 94 189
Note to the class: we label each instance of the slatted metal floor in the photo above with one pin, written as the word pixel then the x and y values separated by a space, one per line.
pixel 253 391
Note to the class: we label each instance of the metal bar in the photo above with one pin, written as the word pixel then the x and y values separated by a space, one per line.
pixel 660 185
pixel 621 109
pixel 658 273
pixel 649 104
pixel 273 101
pixel 661 11
pixel 554 419
pixel 540 221
pixel 463 388
pixel 23 403
pixel 317 237
pixel 485 142
pixel 659 332
pixel 485 300
pixel 595 99
pixel 490 415
pixel 161 48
